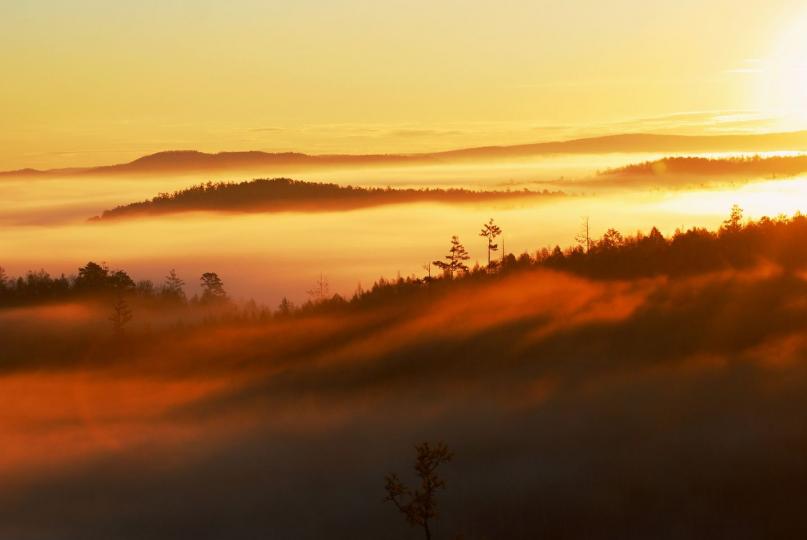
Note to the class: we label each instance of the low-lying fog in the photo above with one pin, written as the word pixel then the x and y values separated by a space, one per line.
pixel 577 409
pixel 266 256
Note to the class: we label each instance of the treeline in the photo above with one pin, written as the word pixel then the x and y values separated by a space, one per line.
pixel 285 194
pixel 735 245
pixel 753 165
pixel 98 281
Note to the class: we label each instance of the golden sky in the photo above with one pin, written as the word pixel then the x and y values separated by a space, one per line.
pixel 87 82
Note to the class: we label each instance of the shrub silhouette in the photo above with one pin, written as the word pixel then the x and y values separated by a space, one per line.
pixel 419 506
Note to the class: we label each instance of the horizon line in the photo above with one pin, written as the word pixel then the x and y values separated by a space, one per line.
pixel 455 151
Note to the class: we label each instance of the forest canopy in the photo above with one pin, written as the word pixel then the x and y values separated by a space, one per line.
pixel 752 165
pixel 284 194
pixel 737 244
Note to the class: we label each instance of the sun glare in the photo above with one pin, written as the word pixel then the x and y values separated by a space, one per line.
pixel 784 76
pixel 760 199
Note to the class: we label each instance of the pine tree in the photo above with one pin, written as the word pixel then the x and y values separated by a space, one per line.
pixel 321 291
pixel 285 307
pixel 734 223
pixel 173 287
pixel 455 260
pixel 121 315
pixel 212 288
pixel 584 236
pixel 490 231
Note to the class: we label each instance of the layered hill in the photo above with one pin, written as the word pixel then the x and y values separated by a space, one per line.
pixel 747 166
pixel 283 194
pixel 191 161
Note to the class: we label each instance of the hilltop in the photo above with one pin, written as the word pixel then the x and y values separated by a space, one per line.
pixel 284 194
pixel 754 165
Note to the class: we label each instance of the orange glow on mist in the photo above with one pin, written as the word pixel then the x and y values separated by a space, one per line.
pixel 52 418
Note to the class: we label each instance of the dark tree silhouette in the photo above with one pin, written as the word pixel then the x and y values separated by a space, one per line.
pixel 92 277
pixel 490 231
pixel 172 288
pixel 121 315
pixel 737 244
pixel 320 291
pixel 95 278
pixel 455 260
pixel 212 288
pixel 120 281
pixel 734 223
pixel 419 506
pixel 611 239
pixel 285 307
pixel 746 166
pixel 262 195
pixel 583 237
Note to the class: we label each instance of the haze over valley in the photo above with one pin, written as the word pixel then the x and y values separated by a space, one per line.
pixel 403 270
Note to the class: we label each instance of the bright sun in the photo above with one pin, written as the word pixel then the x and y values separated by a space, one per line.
pixel 783 77
pixel 758 199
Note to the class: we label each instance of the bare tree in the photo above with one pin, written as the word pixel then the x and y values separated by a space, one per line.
pixel 490 231
pixel 428 268
pixel 419 506
pixel 455 260
pixel 320 291
pixel 583 237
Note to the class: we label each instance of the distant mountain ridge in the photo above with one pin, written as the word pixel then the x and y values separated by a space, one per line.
pixel 195 161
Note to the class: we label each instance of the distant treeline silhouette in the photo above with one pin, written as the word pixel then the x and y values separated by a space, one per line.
pixel 280 194
pixel 97 281
pixel 780 241
pixel 736 245
pixel 753 165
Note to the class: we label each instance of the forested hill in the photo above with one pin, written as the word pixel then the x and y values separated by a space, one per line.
pixel 283 194
pixel 754 165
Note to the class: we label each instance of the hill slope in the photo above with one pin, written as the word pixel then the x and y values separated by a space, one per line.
pixel 283 194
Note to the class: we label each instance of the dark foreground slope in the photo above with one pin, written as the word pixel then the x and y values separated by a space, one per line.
pixel 667 406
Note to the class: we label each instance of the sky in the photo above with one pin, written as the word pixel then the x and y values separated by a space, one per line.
pixel 90 82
